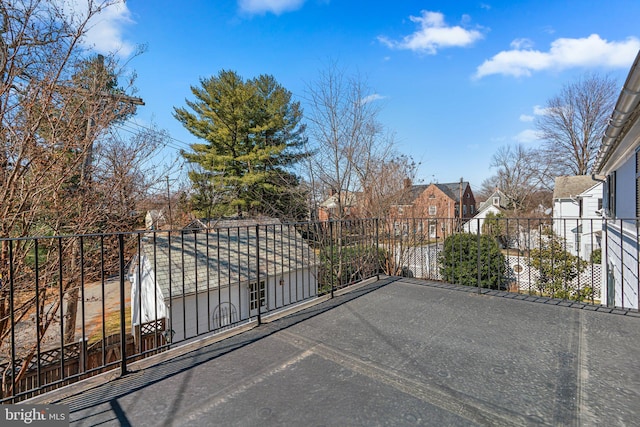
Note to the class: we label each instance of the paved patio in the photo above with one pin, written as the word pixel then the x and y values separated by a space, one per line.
pixel 394 352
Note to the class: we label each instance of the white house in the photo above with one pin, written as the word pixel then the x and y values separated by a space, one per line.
pixel 203 280
pixel 577 204
pixel 494 204
pixel 619 160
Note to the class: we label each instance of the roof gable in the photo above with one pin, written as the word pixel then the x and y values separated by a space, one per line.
pixel 489 202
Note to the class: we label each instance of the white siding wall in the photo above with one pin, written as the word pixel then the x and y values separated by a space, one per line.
pixel 199 314
pixel 572 227
pixel 626 190
pixel 620 257
pixel 471 226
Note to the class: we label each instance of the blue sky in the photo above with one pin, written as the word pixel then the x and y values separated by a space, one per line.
pixel 456 79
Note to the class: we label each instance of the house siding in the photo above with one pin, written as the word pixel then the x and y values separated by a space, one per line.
pixel 617 160
pixel 191 316
pixel 477 221
pixel 579 229
pixel 620 256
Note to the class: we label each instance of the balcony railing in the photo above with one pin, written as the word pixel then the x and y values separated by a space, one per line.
pixel 75 306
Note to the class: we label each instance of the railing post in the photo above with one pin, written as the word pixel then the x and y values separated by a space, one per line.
pixel 258 287
pixel 478 254
pixel 123 337
pixel 331 256
pixel 14 383
pixel 376 223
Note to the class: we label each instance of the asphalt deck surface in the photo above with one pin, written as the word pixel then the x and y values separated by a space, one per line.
pixel 394 352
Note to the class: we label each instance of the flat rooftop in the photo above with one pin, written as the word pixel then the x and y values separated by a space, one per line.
pixel 393 352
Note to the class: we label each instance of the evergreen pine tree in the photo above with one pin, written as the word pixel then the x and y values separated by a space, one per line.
pixel 252 137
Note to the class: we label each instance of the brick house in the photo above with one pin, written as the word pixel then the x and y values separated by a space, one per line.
pixel 345 201
pixel 439 203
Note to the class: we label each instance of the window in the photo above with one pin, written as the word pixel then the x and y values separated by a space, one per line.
pixel 432 231
pixel 600 204
pixel 224 314
pixel 432 196
pixel 254 293
pixel 473 209
pixel 433 210
pixel 496 201
pixel 464 210
pixel 611 195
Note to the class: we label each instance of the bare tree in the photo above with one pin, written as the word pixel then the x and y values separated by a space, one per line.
pixel 574 122
pixel 386 183
pixel 352 154
pixel 61 171
pixel 519 175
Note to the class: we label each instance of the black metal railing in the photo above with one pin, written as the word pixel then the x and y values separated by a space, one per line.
pixel 75 306
pixel 588 260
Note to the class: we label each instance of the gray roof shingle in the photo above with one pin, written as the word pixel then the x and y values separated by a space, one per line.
pixel 567 186
pixel 190 261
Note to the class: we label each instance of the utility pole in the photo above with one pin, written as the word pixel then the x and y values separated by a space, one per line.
pixel 85 180
pixel 85 173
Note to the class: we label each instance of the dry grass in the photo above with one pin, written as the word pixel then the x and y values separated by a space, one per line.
pixel 112 325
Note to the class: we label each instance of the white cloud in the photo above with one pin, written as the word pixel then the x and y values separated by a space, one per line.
pixel 274 6
pixel 564 53
pixel 540 111
pixel 537 111
pixel 105 30
pixel 522 44
pixel 371 98
pixel 433 34
pixel 526 136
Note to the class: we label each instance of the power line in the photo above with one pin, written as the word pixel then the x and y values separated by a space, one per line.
pixel 134 130
pixel 177 141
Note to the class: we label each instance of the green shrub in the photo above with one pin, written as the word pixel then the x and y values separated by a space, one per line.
pixel 557 268
pixel 341 265
pixel 459 261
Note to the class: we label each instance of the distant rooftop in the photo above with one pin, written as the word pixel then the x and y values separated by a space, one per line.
pixel 221 256
pixel 571 186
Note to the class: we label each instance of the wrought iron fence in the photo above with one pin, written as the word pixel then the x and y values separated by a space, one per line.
pixel 593 261
pixel 75 306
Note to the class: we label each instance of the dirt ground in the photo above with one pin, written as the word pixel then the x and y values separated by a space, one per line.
pixel 93 305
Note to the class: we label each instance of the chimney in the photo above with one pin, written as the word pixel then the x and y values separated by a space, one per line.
pixel 407 183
